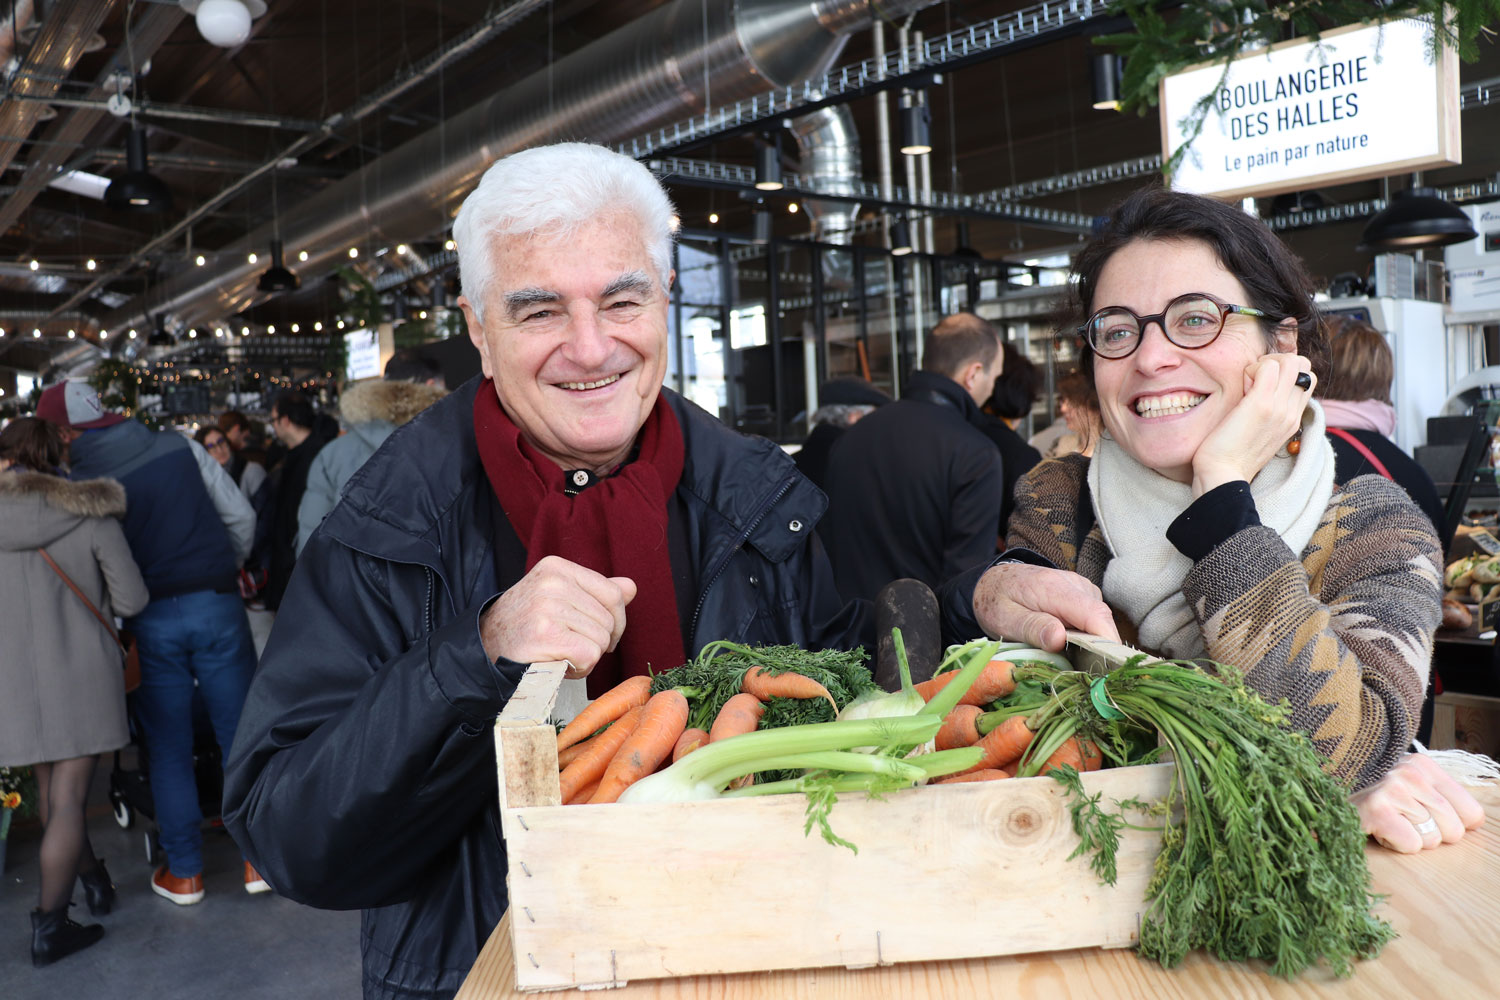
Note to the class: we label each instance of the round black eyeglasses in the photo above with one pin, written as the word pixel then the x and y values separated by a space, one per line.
pixel 1190 321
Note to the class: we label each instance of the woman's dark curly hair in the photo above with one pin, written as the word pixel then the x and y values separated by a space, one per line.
pixel 1275 279
pixel 32 444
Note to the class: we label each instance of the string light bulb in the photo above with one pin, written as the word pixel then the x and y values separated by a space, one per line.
pixel 450 245
pixel 318 326
pixel 200 260
pixel 302 256
pixel 353 252
pixel 296 328
pixel 90 264
pixel 252 258
pixel 132 333
pixel 713 218
pixel 35 264
pixel 401 248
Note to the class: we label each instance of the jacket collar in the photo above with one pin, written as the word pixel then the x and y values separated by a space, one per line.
pixel 934 388
pixel 399 509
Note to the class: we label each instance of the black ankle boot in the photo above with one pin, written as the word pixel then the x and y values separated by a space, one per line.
pixel 98 890
pixel 54 936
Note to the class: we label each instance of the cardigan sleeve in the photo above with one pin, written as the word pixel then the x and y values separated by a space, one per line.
pixel 1344 633
pixel 1045 519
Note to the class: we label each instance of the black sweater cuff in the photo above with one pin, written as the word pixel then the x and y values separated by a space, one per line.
pixel 1213 518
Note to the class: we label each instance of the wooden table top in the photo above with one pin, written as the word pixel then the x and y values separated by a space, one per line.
pixel 1444 904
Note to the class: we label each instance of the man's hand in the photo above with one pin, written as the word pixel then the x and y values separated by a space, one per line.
pixel 1039 605
pixel 558 611
pixel 1417 807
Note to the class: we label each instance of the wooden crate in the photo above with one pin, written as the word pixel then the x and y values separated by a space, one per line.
pixel 602 895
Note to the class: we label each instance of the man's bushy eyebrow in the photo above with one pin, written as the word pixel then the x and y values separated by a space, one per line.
pixel 521 298
pixel 632 281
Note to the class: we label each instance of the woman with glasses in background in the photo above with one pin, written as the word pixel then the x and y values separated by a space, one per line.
pixel 216 444
pixel 1209 516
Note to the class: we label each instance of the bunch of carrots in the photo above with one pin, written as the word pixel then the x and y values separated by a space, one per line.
pixel 627 733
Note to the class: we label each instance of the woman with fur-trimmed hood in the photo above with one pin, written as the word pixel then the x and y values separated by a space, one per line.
pixel 62 686
pixel 371 411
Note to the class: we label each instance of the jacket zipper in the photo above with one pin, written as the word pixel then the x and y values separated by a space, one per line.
pixel 723 562
pixel 427 611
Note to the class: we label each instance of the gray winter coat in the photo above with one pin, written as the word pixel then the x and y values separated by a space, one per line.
pixel 371 411
pixel 62 688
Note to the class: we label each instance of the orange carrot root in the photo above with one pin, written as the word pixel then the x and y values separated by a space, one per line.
pixel 788 685
pixel 662 722
pixel 740 714
pixel 959 729
pixel 568 755
pixel 1005 744
pixel 584 794
pixel 592 763
pixel 996 680
pixel 690 740
pixel 605 709
pixel 928 689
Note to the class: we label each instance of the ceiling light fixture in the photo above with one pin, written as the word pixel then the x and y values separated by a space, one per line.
pixel 1415 218
pixel 35 264
pixel 200 260
pixel 160 337
pixel 900 239
pixel 916 132
pixel 276 277
pixel 302 256
pixel 138 189
pixel 768 167
pixel 763 228
pixel 225 23
pixel 91 264
pixel 449 245
pixel 353 252
pixel 1107 69
pixel 713 218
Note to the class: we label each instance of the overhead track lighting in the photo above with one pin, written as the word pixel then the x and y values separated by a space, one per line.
pixel 900 239
pixel 225 23
pixel 1415 218
pixel 1107 70
pixel 768 167
pixel 916 137
pixel 138 190
pixel 277 278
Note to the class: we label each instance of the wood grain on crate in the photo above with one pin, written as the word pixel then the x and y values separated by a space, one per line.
pixel 1444 903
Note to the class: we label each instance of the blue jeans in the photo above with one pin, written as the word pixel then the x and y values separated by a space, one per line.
pixel 203 637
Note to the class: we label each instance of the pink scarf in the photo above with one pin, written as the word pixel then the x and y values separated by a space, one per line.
pixel 1365 415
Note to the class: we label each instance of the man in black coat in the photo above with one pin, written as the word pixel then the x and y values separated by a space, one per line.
pixel 514 522
pixel 295 424
pixel 914 489
pixel 1015 392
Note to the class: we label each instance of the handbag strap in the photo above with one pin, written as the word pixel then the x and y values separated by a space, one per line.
pixel 82 597
pixel 1363 449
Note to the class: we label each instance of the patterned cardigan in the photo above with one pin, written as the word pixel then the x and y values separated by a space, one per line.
pixel 1344 633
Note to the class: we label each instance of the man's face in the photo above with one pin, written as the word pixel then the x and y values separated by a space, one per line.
pixel 236 436
pixel 575 337
pixel 279 425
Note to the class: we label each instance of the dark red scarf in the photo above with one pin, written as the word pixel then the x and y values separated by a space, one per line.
pixel 617 526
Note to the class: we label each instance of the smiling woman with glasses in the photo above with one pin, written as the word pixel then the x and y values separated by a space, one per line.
pixel 1209 516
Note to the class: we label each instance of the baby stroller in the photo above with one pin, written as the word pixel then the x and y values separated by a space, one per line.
pixel 130 791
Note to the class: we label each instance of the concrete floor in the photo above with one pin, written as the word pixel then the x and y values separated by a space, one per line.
pixel 231 946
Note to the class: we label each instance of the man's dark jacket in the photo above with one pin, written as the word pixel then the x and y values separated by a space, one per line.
pixel 363 771
pixel 290 482
pixel 914 490
pixel 1016 459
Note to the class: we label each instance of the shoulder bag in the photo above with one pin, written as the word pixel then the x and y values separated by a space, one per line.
pixel 124 640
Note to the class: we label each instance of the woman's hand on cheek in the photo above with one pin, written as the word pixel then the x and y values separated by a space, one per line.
pixel 1258 426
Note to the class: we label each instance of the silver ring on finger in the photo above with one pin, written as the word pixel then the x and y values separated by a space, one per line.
pixel 1428 825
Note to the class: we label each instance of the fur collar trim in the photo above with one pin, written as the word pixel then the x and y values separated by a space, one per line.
pixel 88 498
pixel 393 402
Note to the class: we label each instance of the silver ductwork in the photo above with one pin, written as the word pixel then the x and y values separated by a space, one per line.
pixel 656 70
pixel 829 147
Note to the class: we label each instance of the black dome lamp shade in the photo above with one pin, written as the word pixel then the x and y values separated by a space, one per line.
pixel 137 190
pixel 276 277
pixel 159 336
pixel 1415 218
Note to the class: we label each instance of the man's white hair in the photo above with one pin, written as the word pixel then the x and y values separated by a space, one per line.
pixel 551 191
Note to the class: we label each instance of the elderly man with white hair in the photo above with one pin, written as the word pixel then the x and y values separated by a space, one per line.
pixel 564 506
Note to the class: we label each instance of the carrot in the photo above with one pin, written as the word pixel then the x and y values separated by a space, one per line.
pixel 994 681
pixel 788 685
pixel 568 755
pixel 690 740
pixel 662 721
pixel 959 729
pixel 740 714
pixel 983 774
pixel 1005 744
pixel 1083 755
pixel 602 749
pixel 605 709
pixel 583 795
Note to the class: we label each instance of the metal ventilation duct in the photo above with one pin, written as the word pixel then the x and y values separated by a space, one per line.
pixel 661 68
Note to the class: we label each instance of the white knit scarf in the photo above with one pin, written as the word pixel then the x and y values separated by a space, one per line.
pixel 1135 505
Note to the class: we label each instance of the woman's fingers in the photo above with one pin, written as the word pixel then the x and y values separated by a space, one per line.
pixel 1417 806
